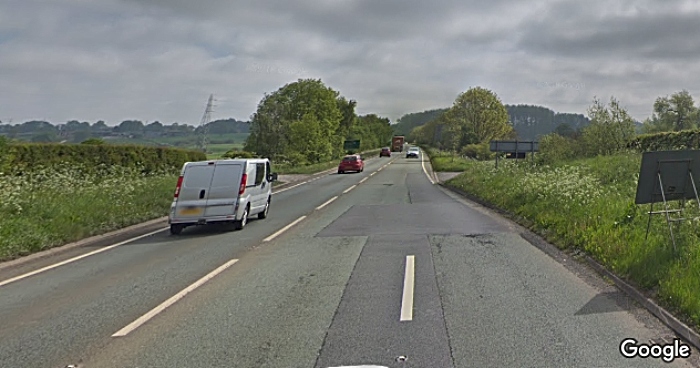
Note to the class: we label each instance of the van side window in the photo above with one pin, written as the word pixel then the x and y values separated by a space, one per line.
pixel 259 173
pixel 268 168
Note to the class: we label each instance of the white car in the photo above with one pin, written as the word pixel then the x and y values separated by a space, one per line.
pixel 413 152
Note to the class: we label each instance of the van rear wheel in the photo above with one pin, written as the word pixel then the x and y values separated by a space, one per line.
pixel 263 214
pixel 240 224
pixel 176 229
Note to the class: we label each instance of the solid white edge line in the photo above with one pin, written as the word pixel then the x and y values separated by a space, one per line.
pixel 155 311
pixel 327 203
pixel 280 231
pixel 349 189
pixel 408 284
pixel 67 261
pixel 364 180
pixel 422 164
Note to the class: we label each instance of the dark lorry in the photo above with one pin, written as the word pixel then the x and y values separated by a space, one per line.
pixel 397 143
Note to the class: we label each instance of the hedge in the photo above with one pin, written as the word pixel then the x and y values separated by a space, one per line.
pixel 26 156
pixel 685 139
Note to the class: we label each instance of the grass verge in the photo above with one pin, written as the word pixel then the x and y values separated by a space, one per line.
pixel 55 206
pixel 446 161
pixel 588 205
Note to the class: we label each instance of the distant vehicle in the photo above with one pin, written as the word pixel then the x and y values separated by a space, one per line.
pixel 354 163
pixel 397 143
pixel 413 152
pixel 385 152
pixel 221 191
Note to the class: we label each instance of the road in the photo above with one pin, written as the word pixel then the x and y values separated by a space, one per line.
pixel 380 268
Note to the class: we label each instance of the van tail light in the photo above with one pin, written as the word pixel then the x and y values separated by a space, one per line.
pixel 179 185
pixel 244 182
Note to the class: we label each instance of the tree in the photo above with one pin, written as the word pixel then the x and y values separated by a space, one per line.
pixel 347 110
pixel 610 130
pixel 347 122
pixel 408 122
pixel 372 131
pixel 74 126
pixel 303 102
pixel 674 113
pixel 480 115
pixel 556 147
pixel 130 126
pixel 306 139
pixel 155 127
pixel 35 126
pixel 418 135
pixel 565 130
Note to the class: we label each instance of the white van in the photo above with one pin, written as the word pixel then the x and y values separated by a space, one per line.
pixel 221 191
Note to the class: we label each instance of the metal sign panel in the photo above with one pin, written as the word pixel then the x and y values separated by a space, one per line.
pixel 351 145
pixel 515 146
pixel 675 168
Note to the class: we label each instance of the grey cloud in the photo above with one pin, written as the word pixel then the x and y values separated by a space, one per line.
pixel 160 59
pixel 650 32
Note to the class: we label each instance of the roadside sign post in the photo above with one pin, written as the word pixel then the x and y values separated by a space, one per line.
pixel 667 176
pixel 515 149
pixel 351 145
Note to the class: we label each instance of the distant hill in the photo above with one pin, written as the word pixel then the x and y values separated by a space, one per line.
pixel 75 131
pixel 529 121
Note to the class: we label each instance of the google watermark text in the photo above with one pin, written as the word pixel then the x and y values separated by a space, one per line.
pixel 630 348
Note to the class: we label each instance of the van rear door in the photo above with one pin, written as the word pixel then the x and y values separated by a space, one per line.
pixel 223 191
pixel 192 199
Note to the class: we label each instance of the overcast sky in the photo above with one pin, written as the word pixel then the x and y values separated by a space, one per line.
pixel 149 60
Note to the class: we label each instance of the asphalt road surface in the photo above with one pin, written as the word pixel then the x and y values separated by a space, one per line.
pixel 381 268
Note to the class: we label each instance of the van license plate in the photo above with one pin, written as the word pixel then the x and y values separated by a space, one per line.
pixel 190 211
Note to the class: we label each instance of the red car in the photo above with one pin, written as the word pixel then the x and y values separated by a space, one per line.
pixel 385 152
pixel 351 163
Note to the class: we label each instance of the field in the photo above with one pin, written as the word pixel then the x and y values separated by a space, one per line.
pixel 588 206
pixel 215 151
pixel 218 144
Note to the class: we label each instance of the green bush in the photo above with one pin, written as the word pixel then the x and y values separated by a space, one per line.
pixel 236 153
pixel 554 147
pixel 478 151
